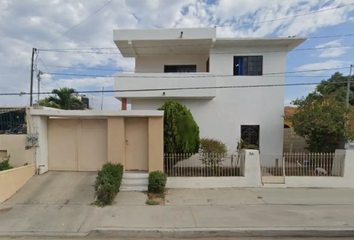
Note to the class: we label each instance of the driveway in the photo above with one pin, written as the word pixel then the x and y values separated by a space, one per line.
pixel 54 202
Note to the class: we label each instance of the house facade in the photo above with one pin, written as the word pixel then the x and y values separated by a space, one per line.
pixel 221 81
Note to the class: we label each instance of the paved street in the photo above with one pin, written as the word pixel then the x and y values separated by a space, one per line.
pixel 59 204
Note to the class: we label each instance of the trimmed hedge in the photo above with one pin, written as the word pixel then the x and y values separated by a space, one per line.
pixel 107 183
pixel 157 182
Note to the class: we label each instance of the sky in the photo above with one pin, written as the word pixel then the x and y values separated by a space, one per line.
pixel 69 24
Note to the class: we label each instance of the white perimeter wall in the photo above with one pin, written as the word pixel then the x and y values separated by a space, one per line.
pixel 222 116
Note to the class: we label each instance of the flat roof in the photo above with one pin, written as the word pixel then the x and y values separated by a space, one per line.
pixel 95 113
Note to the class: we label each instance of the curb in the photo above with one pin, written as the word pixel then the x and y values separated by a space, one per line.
pixel 221 232
pixel 42 234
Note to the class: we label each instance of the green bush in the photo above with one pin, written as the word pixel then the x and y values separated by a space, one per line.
pixel 181 132
pixel 108 183
pixel 5 165
pixel 212 152
pixel 157 182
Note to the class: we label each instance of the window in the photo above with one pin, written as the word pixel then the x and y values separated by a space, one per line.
pixel 250 134
pixel 180 68
pixel 248 66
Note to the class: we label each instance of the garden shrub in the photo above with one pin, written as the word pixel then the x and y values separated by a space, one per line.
pixel 212 152
pixel 4 164
pixel 107 183
pixel 157 182
pixel 181 132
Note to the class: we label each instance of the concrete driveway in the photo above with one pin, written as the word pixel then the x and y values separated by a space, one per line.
pixel 54 202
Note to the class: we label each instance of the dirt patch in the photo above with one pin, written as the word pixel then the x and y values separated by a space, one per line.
pixel 155 199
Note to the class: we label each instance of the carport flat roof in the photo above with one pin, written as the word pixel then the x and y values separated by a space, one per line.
pixel 94 113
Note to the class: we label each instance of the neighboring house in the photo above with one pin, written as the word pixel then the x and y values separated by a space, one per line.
pixel 209 75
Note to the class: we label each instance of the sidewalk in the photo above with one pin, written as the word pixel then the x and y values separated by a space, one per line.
pixel 191 213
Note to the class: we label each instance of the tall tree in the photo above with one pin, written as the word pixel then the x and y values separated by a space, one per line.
pixel 181 132
pixel 64 98
pixel 322 119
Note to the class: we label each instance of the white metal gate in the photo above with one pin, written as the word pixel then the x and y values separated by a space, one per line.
pixel 272 169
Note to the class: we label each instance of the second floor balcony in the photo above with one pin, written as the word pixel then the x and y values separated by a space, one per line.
pixel 165 85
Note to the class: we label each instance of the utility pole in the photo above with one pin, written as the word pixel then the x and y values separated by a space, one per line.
pixel 348 85
pixel 39 84
pixel 102 99
pixel 31 84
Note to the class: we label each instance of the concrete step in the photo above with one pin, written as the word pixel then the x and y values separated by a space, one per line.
pixel 133 188
pixel 127 175
pixel 141 181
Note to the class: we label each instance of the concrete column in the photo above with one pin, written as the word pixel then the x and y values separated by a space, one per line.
pixel 155 139
pixel 349 164
pixel 40 126
pixel 116 140
pixel 252 168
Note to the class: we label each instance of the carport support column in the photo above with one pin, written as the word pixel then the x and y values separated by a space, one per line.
pixel 124 104
pixel 155 132
pixel 116 140
pixel 40 126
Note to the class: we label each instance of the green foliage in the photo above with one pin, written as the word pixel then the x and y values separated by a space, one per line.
pixel 107 183
pixel 4 164
pixel 151 202
pixel 64 98
pixel 157 182
pixel 181 132
pixel 322 119
pixel 212 152
pixel 336 85
pixel 244 145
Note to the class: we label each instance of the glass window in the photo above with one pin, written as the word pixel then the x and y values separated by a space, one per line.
pixel 180 68
pixel 248 65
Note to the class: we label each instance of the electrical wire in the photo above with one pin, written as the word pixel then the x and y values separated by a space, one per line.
pixel 51 76
pixel 182 88
pixel 186 45
pixel 174 54
pixel 129 71
pixel 72 28
pixel 289 17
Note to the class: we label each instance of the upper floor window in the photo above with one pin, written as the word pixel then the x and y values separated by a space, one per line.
pixel 248 65
pixel 180 68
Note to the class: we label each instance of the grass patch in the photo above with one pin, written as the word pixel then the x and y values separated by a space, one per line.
pixel 152 202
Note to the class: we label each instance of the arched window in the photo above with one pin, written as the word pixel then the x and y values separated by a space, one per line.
pixel 250 134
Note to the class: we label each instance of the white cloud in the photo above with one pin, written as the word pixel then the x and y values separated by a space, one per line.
pixel 27 24
pixel 329 64
pixel 332 49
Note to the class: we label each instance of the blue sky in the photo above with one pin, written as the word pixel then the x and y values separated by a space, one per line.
pixel 27 24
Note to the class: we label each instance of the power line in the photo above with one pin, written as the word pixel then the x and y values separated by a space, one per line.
pixel 80 22
pixel 182 88
pixel 289 17
pixel 51 76
pixel 186 45
pixel 127 70
pixel 168 54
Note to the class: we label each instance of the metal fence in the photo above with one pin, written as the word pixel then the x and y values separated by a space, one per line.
pixel 303 164
pixel 203 165
pixel 13 121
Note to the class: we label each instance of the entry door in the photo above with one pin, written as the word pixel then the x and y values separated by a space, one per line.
pixel 136 143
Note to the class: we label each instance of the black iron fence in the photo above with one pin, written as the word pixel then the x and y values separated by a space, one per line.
pixel 13 121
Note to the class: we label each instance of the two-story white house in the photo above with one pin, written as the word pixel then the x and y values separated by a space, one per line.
pixel 221 80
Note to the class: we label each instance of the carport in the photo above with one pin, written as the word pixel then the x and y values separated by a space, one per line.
pixel 84 140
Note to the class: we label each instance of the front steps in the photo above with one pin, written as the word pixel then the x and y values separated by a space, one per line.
pixel 134 182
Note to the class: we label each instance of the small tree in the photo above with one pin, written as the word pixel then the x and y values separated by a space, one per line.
pixel 64 98
pixel 212 153
pixel 322 120
pixel 181 132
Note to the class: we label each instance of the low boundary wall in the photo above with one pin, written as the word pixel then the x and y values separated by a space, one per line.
pixel 12 180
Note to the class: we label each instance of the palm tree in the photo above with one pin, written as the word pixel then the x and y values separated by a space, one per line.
pixel 64 98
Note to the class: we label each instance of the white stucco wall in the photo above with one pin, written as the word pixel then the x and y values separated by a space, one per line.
pixel 41 127
pixel 222 116
pixel 155 64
